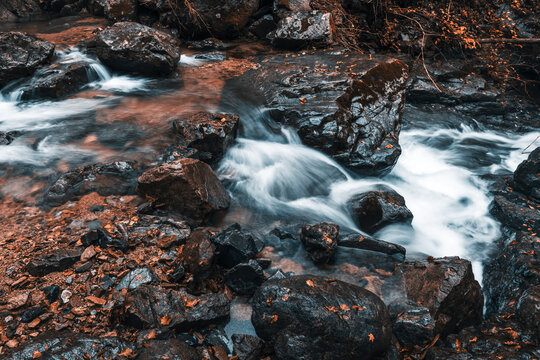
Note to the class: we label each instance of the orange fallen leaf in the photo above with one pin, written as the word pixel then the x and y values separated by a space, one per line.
pixel 273 319
pixel 310 283
pixel 331 308
pixel 191 303
pixel 371 338
pixel 36 355
pixel 96 300
pixel 359 308
pixel 126 353
pixel 166 320
pixel 344 307
pixel 151 335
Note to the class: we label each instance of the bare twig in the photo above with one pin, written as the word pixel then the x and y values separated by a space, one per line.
pixel 528 146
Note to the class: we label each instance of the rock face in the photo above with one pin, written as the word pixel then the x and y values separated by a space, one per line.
pixel 155 307
pixel 235 245
pixel 106 179
pixel 132 47
pixel 308 317
pixel 320 241
pixel 527 176
pixel 347 106
pixel 21 55
pixel 210 135
pixel 57 81
pixel 58 347
pixel 302 29
pixel 375 209
pixel 446 287
pixel 186 185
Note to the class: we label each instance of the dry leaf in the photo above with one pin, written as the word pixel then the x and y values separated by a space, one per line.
pixel 310 283
pixel 166 320
pixel 371 338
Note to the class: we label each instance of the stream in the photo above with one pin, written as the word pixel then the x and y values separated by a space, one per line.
pixel 272 177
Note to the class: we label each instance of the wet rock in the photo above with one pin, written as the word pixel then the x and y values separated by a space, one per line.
pixel 245 278
pixel 366 242
pixel 528 309
pixel 347 106
pixel 235 245
pixel 83 268
pixel 526 178
pixel 6 138
pixel 55 346
pixel 320 241
pixel 155 307
pixel 120 10
pixel 136 278
pixel 208 44
pixel 56 82
pixel 198 254
pixel 446 287
pixel 375 209
pixel 412 324
pixel 210 134
pixel 302 29
pixel 512 208
pixel 57 260
pixel 30 314
pixel 219 18
pixel 247 347
pixel 510 271
pixel 178 274
pixel 21 55
pixel 186 185
pixel 132 47
pixel 168 349
pixel 101 238
pixel 115 178
pixel 96 7
pixel 308 317
pixel 51 293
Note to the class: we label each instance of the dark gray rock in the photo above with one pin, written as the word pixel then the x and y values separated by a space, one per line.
pixel 153 307
pixel 375 209
pixel 21 55
pixel 235 245
pixel 6 138
pixel 198 254
pixel 245 278
pixel 366 242
pixel 526 176
pixel 263 26
pixel 320 241
pixel 308 317
pixel 247 347
pixel 302 29
pixel 57 260
pixel 132 47
pixel 101 238
pixel 412 324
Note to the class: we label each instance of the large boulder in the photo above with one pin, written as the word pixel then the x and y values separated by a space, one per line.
pixel 346 105
pixel 115 178
pixel 21 55
pixel 152 307
pixel 132 47
pixel 301 29
pixel 186 185
pixel 210 135
pixel 447 288
pixel 309 317
pixel 16 10
pixel 527 176
pixel 375 209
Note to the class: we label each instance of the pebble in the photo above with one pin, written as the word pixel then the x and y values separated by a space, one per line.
pixel 66 295
pixel 69 280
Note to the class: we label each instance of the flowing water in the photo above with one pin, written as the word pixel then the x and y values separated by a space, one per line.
pixel 269 172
